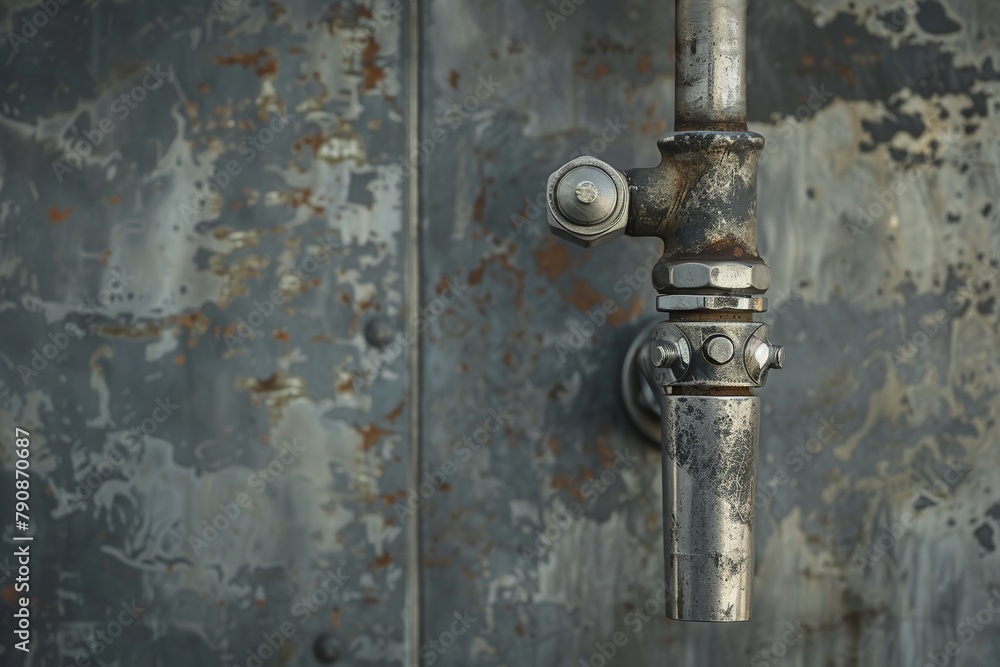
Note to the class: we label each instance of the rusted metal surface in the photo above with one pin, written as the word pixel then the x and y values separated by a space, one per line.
pixel 253 513
pixel 878 483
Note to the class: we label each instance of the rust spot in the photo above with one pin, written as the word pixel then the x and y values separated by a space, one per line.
pixel 371 434
pixel 601 71
pixel 270 68
pixel 554 447
pixel 179 360
pixel 261 603
pixel 645 63
pixel 584 297
pixel 453 78
pixel 105 256
pixel 335 618
pixel 553 259
pixel 519 630
pixel 396 412
pixel 562 480
pixel 847 75
pixel 623 316
pixel 808 60
pixel 130 331
pixel 282 336
pixel 383 561
pixel 204 88
pixel 477 274
pixel 115 200
pixel 278 390
pixel 8 594
pixel 479 209
pixel 372 72
pixel 57 216
pixel 246 60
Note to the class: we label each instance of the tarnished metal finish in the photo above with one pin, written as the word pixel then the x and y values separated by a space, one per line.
pixel 206 194
pixel 671 302
pixel 877 530
pixel 711 71
pixel 689 350
pixel 709 477
pixel 728 276
pixel 701 201
pixel 593 215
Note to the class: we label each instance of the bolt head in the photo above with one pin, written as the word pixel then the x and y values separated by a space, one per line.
pixel 587 202
pixel 719 349
pixel 327 649
pixel 777 356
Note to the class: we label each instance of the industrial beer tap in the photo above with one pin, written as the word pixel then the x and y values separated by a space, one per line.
pixel 709 353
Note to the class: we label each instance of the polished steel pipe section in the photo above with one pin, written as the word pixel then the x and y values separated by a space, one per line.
pixel 709 477
pixel 711 76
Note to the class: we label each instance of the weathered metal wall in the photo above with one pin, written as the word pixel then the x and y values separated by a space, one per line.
pixel 240 354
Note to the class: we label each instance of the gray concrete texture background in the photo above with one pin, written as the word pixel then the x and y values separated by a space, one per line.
pixel 237 379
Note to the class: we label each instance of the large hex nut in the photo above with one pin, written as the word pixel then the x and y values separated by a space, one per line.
pixel 752 277
pixel 587 202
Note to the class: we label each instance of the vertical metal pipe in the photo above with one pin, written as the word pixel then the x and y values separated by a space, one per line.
pixel 709 477
pixel 711 77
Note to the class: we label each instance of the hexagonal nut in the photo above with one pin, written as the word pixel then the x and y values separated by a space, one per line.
pixel 751 277
pixel 588 233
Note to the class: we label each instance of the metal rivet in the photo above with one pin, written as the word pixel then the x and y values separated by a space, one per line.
pixel 379 332
pixel 719 349
pixel 327 649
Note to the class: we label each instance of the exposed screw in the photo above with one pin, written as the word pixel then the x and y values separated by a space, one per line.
pixel 586 193
pixel 379 332
pixel 776 359
pixel 327 649
pixel 664 353
pixel 719 349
